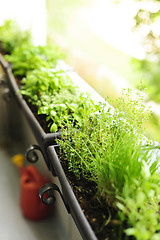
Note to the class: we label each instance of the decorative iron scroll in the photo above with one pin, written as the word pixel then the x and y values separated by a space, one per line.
pixel 49 188
pixel 31 154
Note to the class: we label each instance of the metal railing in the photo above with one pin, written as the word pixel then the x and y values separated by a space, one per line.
pixel 46 145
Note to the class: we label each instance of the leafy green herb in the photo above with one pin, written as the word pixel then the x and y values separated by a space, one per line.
pixel 11 36
pixel 28 57
pixel 53 92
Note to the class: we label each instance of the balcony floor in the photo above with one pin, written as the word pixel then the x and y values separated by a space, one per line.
pixel 12 224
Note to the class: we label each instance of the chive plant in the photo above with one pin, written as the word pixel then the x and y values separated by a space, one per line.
pixel 104 146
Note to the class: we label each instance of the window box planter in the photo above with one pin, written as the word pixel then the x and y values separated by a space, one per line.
pixel 46 145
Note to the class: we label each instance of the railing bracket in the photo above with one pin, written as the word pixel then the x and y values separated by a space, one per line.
pixel 31 154
pixel 49 188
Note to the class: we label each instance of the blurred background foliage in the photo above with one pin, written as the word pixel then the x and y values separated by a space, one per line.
pixel 147 24
pixel 104 66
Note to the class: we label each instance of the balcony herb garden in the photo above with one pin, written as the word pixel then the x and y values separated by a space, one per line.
pixel 103 148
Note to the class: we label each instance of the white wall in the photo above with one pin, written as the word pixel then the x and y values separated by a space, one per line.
pixel 30 14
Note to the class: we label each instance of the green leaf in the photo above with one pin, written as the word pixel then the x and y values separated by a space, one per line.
pixel 130 231
pixel 53 113
pixel 48 118
pixel 53 127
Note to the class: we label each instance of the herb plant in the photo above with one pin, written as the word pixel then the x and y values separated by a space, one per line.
pixel 140 203
pixel 28 57
pixel 109 142
pixel 11 36
pixel 108 150
pixel 53 92
pixel 101 145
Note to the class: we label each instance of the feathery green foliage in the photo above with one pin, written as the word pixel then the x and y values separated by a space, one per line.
pixel 108 144
pixel 108 150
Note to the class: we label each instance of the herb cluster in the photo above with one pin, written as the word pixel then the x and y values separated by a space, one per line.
pixel 11 36
pixel 103 146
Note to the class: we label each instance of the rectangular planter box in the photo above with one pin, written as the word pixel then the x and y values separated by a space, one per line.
pixel 46 142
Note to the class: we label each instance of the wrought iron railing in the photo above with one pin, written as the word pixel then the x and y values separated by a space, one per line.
pixel 47 147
